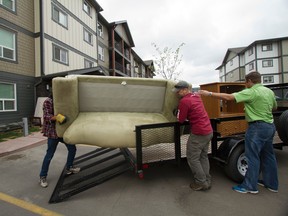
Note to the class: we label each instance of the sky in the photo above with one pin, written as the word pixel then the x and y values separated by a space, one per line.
pixel 208 28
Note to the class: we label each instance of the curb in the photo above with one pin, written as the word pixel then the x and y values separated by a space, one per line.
pixel 22 143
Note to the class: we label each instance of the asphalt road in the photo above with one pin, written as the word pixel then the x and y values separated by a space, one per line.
pixel 163 191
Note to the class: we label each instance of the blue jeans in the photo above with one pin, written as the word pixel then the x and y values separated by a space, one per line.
pixel 52 146
pixel 260 156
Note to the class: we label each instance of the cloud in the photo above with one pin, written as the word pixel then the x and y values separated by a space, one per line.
pixel 208 28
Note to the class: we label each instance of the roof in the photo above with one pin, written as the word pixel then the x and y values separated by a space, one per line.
pixel 126 27
pixel 96 5
pixel 92 71
pixel 240 50
pixel 236 50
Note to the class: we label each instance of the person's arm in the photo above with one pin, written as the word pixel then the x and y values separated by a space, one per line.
pixel 48 114
pixel 223 96
pixel 182 113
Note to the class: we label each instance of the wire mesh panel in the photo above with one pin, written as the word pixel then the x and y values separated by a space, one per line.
pixel 161 142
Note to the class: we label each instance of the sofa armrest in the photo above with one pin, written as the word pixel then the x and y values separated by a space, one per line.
pixel 65 97
pixel 171 102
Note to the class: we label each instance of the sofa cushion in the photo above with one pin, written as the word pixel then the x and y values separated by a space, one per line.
pixel 113 129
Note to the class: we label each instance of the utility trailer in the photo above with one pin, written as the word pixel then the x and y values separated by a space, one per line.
pixel 229 125
pixel 142 130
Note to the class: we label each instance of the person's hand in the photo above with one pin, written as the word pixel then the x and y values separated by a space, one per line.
pixel 204 92
pixel 175 112
pixel 61 118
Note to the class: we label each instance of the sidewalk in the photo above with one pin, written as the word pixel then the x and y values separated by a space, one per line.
pixel 21 143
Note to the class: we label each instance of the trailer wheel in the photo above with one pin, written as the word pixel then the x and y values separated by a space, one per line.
pixel 237 164
pixel 281 126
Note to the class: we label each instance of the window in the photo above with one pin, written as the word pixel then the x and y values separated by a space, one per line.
pixel 10 4
pixel 266 47
pixel 231 62
pixel 59 16
pixel 267 63
pixel 250 51
pixel 99 29
pixel 231 74
pixel 87 8
pixel 88 64
pixel 268 79
pixel 7 45
pixel 101 53
pixel 88 37
pixel 251 66
pixel 60 54
pixel 7 97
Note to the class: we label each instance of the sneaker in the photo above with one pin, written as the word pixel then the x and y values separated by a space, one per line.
pixel 73 170
pixel 43 182
pixel 240 189
pixel 198 187
pixel 261 183
pixel 272 190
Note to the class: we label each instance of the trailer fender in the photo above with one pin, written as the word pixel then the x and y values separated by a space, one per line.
pixel 232 151
pixel 227 146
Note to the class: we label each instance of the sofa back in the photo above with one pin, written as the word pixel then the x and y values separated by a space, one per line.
pixel 121 95
pixel 89 93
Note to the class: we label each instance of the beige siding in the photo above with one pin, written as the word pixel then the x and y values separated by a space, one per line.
pixel 76 7
pixel 285 47
pixel 285 78
pixel 71 36
pixel 121 31
pixel 76 61
pixel 37 57
pixel 285 63
pixel 36 16
pixel 104 42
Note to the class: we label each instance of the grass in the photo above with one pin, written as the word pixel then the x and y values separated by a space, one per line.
pixel 4 136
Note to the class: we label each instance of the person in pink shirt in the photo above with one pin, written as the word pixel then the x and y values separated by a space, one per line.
pixel 191 108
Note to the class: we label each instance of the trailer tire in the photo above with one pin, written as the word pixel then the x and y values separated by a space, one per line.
pixel 236 166
pixel 281 127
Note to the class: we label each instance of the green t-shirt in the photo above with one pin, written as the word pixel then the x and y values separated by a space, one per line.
pixel 259 102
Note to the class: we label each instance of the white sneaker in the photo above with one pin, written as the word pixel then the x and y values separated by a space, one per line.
pixel 43 182
pixel 73 170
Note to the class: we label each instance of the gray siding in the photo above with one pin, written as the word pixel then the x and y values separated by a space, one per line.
pixel 25 97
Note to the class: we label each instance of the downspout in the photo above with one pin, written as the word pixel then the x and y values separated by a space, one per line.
pixel 42 53
pixel 113 50
pixel 41 50
pixel 256 59
pixel 280 45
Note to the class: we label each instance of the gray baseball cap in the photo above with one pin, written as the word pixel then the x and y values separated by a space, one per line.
pixel 180 85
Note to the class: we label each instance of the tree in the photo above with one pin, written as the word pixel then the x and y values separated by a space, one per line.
pixel 167 62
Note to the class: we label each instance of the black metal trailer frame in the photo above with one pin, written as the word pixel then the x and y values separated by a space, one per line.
pixel 104 164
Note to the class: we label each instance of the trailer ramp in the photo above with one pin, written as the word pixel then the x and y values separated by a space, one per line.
pixel 97 167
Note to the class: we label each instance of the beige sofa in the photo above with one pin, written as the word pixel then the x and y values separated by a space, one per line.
pixel 103 111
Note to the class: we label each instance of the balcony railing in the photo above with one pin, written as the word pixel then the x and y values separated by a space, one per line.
pixel 122 69
pixel 118 46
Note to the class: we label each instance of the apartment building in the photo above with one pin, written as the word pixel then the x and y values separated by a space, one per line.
pixel 43 39
pixel 115 51
pixel 269 57
pixel 17 60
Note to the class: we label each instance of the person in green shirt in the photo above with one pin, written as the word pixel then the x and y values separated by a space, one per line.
pixel 259 102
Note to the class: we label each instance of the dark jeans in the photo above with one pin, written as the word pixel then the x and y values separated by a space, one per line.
pixel 52 146
pixel 260 156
